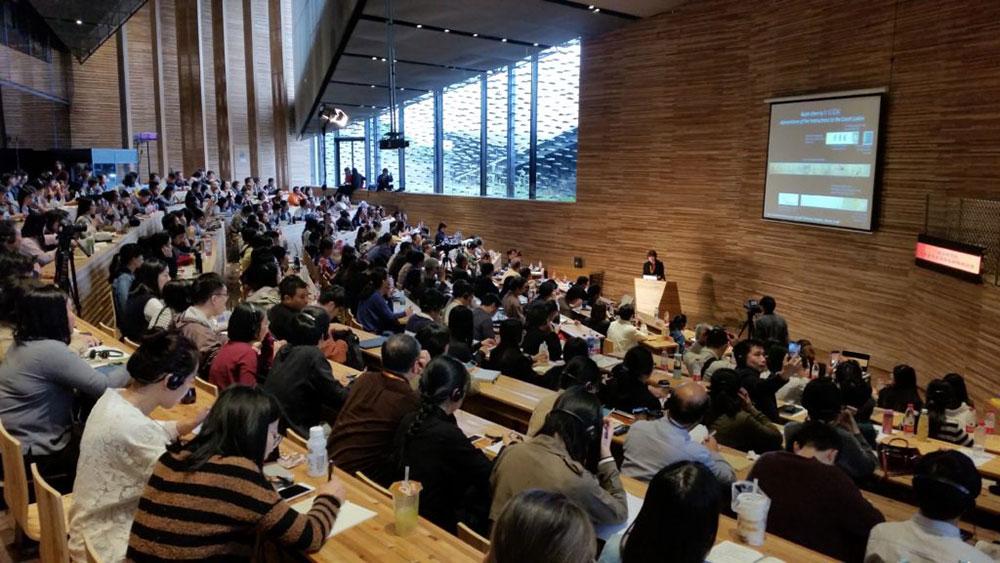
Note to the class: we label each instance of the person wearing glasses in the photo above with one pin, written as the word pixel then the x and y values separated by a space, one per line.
pixel 197 323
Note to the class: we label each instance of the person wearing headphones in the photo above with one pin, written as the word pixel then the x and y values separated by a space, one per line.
pixel 571 454
pixel 813 502
pixel 455 475
pixel 652 445
pixel 121 443
pixel 946 484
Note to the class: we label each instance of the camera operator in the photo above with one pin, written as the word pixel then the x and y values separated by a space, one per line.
pixel 770 326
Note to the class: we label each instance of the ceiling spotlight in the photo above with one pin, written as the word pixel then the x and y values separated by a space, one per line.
pixel 374 58
pixel 383 59
pixel 372 85
pixel 475 35
pixel 447 31
pixel 79 22
pixel 402 88
pixel 535 44
pixel 597 10
pixel 504 40
pixel 420 26
pixel 335 116
pixel 590 7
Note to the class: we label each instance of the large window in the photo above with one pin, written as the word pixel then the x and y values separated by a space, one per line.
pixel 461 130
pixel 418 119
pixel 537 96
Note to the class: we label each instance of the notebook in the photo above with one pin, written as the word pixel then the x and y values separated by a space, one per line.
pixel 487 375
pixel 729 552
pixel 371 342
pixel 350 515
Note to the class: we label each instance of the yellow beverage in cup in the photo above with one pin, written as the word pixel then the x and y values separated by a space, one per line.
pixel 406 505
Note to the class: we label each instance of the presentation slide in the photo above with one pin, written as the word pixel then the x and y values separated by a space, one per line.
pixel 821 160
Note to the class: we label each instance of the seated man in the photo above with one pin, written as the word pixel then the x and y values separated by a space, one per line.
pixel 813 502
pixel 622 334
pixel 294 295
pixel 482 323
pixel 717 341
pixel 697 354
pixel 946 484
pixel 823 401
pixel 361 440
pixel 652 445
pixel 751 365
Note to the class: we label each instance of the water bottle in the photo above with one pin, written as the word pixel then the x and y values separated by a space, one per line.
pixel 980 438
pixel 544 348
pixel 677 365
pixel 664 358
pixel 991 422
pixel 591 345
pixel 888 415
pixel 317 452
pixel 923 425
pixel 909 420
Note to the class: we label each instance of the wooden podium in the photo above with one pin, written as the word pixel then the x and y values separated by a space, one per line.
pixel 654 298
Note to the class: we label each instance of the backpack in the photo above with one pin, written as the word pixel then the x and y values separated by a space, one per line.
pixel 355 358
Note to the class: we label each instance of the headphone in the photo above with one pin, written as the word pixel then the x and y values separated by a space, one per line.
pixel 589 429
pixel 105 354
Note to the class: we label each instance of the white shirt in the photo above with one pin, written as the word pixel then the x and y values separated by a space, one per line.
pixel 920 540
pixel 624 336
pixel 118 449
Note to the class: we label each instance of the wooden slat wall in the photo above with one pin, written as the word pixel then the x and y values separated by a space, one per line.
pixel 262 77
pixel 94 107
pixel 141 88
pixel 238 126
pixel 673 142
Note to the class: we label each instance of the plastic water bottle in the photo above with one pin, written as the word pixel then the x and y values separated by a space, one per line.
pixel 664 358
pixel 980 438
pixel 677 365
pixel 317 452
pixel 991 422
pixel 888 415
pixel 923 425
pixel 909 420
pixel 592 345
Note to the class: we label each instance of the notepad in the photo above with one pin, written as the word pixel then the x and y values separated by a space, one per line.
pixel 729 552
pixel 350 515
pixel 634 503
pixel 487 375
pixel 371 342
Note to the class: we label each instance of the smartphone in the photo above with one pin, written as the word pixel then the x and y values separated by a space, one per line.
pixel 475 437
pixel 294 491
pixel 621 430
pixel 794 348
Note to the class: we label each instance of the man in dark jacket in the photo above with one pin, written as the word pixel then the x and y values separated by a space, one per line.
pixel 750 363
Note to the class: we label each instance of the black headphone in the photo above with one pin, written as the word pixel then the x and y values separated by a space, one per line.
pixel 589 429
pixel 175 380
pixel 105 354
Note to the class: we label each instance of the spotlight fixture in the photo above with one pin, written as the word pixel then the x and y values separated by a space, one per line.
pixel 374 58
pixel 372 86
pixel 535 44
pixel 590 7
pixel 503 40
pixel 597 10
pixel 475 35
pixel 420 26
pixel 383 59
pixel 79 22
pixel 447 31
pixel 334 116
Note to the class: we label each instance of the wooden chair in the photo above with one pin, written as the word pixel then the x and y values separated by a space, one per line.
pixel 469 536
pixel 294 438
pixel 92 556
pixel 114 310
pixel 206 387
pixel 352 322
pixel 130 342
pixel 52 509
pixel 378 488
pixel 110 330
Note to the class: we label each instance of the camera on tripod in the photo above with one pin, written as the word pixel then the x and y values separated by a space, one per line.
pixel 752 307
pixel 69 231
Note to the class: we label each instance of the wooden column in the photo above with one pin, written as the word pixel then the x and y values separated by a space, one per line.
pixel 248 58
pixel 156 36
pixel 279 95
pixel 124 106
pixel 219 43
pixel 189 77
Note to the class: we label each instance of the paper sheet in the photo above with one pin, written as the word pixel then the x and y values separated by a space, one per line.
pixel 729 552
pixel 634 506
pixel 978 458
pixel 350 515
pixel 487 375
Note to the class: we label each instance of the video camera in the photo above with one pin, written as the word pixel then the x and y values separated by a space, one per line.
pixel 67 231
pixel 752 307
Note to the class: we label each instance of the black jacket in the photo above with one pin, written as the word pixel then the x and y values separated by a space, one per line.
pixel 455 474
pixel 627 394
pixel 484 285
pixel 303 384
pixel 653 270
pixel 762 391
pixel 533 339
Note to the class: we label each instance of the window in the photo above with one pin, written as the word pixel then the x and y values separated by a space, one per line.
pixel 496 134
pixel 558 120
pixel 351 145
pixel 521 103
pixel 462 120
pixel 22 29
pixel 418 118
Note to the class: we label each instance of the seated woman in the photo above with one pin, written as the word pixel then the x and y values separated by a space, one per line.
pixel 301 379
pixel 578 371
pixel 237 361
pixel 508 358
pixel 455 474
pixel 432 302
pixel 676 330
pixel 121 273
pixel 39 381
pixel 33 243
pixel 176 299
pixel 630 387
pixel 571 454
pixel 145 300
pixel 573 348
pixel 542 527
pixel 965 412
pixel 598 320
pixel 121 443
pixel 941 401
pixel 86 216
pixel 538 330
pixel 734 419
pixel 902 391
pixel 208 301
pixel 681 509
pixel 190 509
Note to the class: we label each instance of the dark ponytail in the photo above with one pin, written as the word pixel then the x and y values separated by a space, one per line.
pixel 162 354
pixel 119 263
pixel 444 378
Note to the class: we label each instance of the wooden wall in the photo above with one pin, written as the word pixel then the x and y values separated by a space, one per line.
pixel 673 142
pixel 92 116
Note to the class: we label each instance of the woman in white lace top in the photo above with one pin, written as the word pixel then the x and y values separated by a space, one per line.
pixel 121 444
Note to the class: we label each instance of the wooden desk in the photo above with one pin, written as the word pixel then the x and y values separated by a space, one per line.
pixel 373 540
pixel 507 401
pixel 774 546
pixel 658 344
pixel 576 329
pixel 990 469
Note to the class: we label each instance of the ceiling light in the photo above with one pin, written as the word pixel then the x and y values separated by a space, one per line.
pixel 79 22
pixel 372 85
pixel 504 40
pixel 447 31
pixel 596 10
pixel 590 7
pixel 535 44
pixel 475 35
pixel 402 88
pixel 383 59
pixel 420 26
pixel 374 58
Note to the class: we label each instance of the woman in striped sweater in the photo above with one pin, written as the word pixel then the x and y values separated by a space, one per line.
pixel 208 499
pixel 940 399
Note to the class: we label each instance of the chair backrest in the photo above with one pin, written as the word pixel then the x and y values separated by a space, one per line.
pixel 469 536
pixel 206 387
pixel 352 322
pixel 15 478
pixel 114 307
pixel 109 329
pixel 53 546
pixel 378 488
pixel 130 342
pixel 294 438
pixel 92 556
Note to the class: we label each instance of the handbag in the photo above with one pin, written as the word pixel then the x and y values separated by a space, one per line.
pixel 897 459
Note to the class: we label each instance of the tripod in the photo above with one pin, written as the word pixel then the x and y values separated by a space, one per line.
pixel 66 269
pixel 747 326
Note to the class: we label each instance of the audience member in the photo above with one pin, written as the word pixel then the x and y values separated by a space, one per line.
pixel 237 360
pixel 571 454
pixel 680 510
pixel 598 320
pixel 946 484
pixel 675 328
pixel 542 527
pixel 538 330
pixel 716 341
pixel 294 294
pixel 432 302
pixel 508 358
pixel 461 291
pixel 631 387
pixel 770 325
pixel 751 362
pixel 361 439
pixel 512 306
pixel 571 301
pixel 902 392
pixel 622 333
pixel 965 413
pixel 484 283
pixel 813 502
pixel 121 273
pixel 734 419
pixel 697 353
pixel 374 312
pixel 453 472
pixel 121 443
pixel 940 401
pixel 196 507
pixel 145 300
pixel 651 445
pixel 197 323
pixel 578 371
pixel 574 347
pixel 482 318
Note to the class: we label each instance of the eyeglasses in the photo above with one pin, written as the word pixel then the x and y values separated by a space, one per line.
pixel 224 294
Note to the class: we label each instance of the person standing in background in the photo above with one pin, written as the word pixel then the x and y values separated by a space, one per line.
pixel 653 267
pixel 770 325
